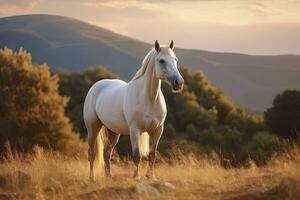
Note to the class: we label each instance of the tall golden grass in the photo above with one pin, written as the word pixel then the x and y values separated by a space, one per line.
pixel 50 175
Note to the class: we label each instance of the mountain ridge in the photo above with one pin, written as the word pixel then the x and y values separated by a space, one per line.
pixel 66 43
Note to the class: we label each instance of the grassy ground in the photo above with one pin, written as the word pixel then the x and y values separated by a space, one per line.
pixel 46 175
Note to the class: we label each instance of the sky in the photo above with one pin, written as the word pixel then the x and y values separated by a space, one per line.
pixel 260 27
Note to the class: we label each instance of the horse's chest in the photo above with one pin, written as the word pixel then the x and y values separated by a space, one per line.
pixel 145 115
pixel 151 119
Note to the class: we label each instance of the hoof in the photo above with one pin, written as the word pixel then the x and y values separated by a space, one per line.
pixel 108 175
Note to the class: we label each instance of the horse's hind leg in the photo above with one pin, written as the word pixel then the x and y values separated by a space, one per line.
pixel 93 126
pixel 112 140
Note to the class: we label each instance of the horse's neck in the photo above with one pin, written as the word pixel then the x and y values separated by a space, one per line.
pixel 150 83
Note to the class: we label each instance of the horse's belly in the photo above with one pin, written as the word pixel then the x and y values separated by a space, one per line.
pixel 115 124
pixel 110 109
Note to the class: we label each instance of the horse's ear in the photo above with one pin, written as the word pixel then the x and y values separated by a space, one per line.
pixel 171 45
pixel 157 46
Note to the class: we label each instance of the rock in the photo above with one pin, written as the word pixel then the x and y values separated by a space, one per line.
pixel 288 184
pixel 164 186
pixel 287 189
pixel 141 188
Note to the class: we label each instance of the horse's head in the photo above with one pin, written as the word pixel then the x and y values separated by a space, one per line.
pixel 166 66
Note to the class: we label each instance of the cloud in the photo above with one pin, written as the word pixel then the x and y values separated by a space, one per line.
pixel 143 4
pixel 265 9
pixel 13 7
pixel 147 5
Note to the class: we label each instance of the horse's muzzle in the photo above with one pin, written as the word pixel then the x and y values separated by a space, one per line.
pixel 177 84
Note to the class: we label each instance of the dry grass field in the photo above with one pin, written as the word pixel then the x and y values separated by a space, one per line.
pixel 48 175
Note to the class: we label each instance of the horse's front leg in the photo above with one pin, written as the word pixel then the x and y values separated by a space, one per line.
pixel 134 139
pixel 154 139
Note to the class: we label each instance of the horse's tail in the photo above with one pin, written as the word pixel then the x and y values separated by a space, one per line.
pixel 144 144
pixel 99 148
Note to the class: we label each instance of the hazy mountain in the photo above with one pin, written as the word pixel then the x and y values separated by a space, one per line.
pixel 62 42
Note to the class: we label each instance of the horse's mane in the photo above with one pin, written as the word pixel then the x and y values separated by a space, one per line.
pixel 145 64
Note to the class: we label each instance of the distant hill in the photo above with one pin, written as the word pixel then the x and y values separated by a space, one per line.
pixel 70 44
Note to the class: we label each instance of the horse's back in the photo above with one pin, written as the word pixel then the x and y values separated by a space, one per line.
pixel 108 96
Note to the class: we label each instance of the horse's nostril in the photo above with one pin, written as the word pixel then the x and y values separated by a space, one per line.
pixel 176 82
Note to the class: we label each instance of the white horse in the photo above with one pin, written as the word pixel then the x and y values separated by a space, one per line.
pixel 137 108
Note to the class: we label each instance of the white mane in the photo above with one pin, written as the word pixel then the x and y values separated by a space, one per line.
pixel 148 60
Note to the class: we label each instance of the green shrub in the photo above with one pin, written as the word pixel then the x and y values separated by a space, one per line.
pixel 225 141
pixel 263 145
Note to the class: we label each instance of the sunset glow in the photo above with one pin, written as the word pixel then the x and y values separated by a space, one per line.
pixel 217 25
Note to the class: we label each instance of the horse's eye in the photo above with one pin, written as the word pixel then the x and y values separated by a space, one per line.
pixel 162 61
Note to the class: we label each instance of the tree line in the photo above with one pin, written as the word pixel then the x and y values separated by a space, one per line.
pixel 40 107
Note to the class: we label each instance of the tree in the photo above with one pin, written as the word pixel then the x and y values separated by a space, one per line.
pixel 263 145
pixel 76 85
pixel 32 111
pixel 283 118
